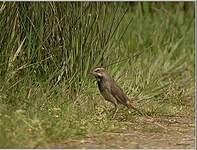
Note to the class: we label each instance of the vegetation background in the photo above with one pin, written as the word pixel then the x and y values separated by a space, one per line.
pixel 48 48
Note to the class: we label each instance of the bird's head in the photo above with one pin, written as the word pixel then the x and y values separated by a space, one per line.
pixel 99 72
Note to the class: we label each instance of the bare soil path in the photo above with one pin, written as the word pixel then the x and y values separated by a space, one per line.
pixel 180 134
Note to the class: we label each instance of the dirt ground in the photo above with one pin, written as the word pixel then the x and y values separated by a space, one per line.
pixel 178 133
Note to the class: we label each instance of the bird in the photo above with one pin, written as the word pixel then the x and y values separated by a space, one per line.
pixel 110 90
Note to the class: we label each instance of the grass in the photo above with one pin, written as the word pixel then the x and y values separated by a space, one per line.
pixel 47 50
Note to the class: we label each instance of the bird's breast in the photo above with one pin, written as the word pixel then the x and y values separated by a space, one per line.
pixel 100 86
pixel 105 90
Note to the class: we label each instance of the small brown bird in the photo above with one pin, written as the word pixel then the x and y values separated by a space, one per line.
pixel 110 90
pixel 113 93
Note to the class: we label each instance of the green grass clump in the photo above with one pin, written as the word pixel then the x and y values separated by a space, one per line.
pixel 47 50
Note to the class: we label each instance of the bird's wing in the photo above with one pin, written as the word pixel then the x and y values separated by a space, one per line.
pixel 120 96
pixel 108 96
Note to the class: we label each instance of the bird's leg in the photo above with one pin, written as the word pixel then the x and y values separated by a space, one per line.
pixel 115 112
pixel 111 109
pixel 105 110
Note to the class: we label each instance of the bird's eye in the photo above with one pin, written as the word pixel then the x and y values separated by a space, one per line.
pixel 97 71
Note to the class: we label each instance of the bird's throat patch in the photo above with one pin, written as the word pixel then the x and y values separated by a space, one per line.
pixel 98 79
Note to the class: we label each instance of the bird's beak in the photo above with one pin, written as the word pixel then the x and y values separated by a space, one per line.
pixel 93 73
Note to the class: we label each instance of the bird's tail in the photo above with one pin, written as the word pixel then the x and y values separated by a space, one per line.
pixel 130 105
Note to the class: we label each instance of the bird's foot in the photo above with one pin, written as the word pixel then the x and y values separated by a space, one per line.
pixel 115 112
